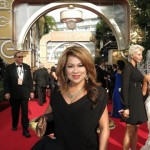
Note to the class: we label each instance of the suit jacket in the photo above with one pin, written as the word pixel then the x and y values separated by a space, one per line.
pixel 41 77
pixel 10 82
pixel 101 74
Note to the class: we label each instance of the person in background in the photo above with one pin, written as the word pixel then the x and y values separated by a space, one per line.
pixel 79 106
pixel 101 73
pixel 146 92
pixel 34 85
pixel 41 81
pixel 132 96
pixel 102 78
pixel 116 98
pixel 53 79
pixel 114 67
pixel 48 91
pixel 110 80
pixel 113 78
pixel 18 88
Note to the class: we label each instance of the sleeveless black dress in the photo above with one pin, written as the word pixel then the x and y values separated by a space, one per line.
pixel 76 123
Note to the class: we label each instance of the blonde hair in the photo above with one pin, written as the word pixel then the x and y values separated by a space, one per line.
pixel 134 49
pixel 87 61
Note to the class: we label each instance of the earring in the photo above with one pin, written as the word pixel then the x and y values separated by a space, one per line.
pixel 87 79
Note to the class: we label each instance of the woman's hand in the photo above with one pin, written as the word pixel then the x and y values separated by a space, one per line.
pixel 7 96
pixel 126 113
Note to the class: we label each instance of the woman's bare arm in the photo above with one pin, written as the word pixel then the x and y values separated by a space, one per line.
pixel 104 130
pixel 145 84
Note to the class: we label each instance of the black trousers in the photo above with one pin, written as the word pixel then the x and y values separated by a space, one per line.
pixel 16 105
pixel 41 94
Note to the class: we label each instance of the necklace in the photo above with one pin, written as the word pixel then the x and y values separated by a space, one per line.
pixel 73 96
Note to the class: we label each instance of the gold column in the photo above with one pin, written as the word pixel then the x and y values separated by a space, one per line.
pixel 6 18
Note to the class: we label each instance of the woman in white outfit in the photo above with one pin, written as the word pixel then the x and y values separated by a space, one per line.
pixel 146 89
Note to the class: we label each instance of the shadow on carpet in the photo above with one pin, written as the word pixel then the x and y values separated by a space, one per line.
pixel 4 105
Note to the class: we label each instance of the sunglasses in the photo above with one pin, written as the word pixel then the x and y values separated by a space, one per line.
pixel 19 56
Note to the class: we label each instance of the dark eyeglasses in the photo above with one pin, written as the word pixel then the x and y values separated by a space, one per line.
pixel 19 56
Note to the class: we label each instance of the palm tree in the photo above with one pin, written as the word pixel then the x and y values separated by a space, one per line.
pixel 46 24
pixel 105 35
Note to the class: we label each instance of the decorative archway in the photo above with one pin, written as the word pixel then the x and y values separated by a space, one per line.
pixel 110 21
pixel 63 38
pixel 7 47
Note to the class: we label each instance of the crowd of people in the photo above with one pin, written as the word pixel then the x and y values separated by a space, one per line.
pixel 79 92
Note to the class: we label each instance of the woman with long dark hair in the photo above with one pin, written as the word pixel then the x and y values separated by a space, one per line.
pixel 79 106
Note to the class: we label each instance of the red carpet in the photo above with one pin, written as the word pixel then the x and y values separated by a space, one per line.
pixel 13 140
pixel 117 134
pixel 4 105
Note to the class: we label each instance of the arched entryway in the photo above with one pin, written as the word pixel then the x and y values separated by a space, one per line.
pixel 122 37
pixel 122 44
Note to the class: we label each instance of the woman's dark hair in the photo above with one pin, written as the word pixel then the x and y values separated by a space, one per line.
pixel 120 64
pixel 85 57
pixel 53 69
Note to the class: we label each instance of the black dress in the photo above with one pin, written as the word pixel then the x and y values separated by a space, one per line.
pixel 132 95
pixel 76 123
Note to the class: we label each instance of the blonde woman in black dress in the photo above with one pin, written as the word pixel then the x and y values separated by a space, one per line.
pixel 134 109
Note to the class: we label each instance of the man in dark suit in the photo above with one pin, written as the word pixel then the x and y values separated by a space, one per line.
pixel 101 73
pixel 41 80
pixel 18 87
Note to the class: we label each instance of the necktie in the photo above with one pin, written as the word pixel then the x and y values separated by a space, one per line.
pixel 19 65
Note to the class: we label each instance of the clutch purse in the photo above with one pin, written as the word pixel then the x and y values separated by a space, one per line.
pixel 42 125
